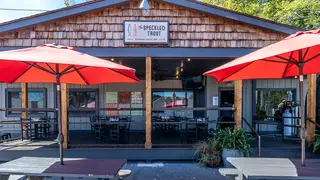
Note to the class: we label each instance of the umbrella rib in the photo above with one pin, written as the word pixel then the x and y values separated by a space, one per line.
pixel 305 54
pixel 275 61
pixel 81 75
pixel 122 74
pixel 289 60
pixel 66 69
pixel 67 72
pixel 237 71
pixel 50 68
pixel 285 70
pixel 312 58
pixel 30 66
pixel 38 67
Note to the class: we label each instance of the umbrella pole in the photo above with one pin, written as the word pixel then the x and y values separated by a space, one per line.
pixel 60 135
pixel 303 128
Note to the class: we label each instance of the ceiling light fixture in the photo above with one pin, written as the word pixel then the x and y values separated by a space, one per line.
pixel 145 7
pixel 181 65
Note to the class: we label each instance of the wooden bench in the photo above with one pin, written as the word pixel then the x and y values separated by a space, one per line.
pixel 229 172
pixel 17 177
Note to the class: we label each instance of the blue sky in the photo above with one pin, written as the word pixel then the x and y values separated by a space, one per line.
pixel 27 4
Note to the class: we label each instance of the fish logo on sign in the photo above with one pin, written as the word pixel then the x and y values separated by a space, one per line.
pixel 132 31
pixel 129 30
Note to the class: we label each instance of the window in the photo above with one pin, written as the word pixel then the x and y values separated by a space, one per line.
pixel 171 99
pixel 83 98
pixel 273 102
pixel 36 99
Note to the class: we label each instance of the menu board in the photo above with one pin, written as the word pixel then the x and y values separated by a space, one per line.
pixel 136 98
pixel 111 97
pixel 136 102
pixel 124 100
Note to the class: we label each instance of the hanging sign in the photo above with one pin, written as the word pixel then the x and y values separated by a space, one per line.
pixel 146 32
pixel 215 101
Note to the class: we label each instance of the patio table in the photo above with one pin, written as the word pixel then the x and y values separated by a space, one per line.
pixel 253 168
pixel 50 167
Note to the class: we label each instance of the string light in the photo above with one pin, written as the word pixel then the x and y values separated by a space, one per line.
pixel 112 59
pixel 189 59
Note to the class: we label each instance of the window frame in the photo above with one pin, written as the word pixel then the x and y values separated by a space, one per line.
pixel 88 113
pixel 10 114
pixel 254 106
pixel 171 90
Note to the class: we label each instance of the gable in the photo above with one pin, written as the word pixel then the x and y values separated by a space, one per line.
pixel 104 28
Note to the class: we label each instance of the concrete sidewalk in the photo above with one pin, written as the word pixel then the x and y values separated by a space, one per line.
pixel 171 171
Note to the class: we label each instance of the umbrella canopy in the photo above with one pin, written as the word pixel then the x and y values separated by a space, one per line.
pixel 175 104
pixel 51 63
pixel 42 65
pixel 278 60
pixel 297 55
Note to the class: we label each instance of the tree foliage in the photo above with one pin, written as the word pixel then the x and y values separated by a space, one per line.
pixel 303 14
pixel 73 2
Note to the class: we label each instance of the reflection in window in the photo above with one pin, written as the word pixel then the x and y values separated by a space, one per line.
pixel 273 103
pixel 173 100
pixel 83 99
pixel 36 99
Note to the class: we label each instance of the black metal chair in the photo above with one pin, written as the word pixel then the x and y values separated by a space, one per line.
pixel 93 126
pixel 222 122
pixel 28 127
pixel 191 131
pixel 203 130
pixel 101 130
pixel 124 128
pixel 114 132
pixel 44 128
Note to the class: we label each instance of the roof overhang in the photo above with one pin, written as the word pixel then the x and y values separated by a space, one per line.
pixel 57 14
pixel 96 5
pixel 227 53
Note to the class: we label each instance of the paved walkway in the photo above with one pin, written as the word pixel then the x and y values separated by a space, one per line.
pixel 167 171
pixel 172 171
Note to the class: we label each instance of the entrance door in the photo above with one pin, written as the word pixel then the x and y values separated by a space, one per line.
pixel 226 100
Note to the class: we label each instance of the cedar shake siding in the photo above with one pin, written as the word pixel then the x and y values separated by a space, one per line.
pixel 104 28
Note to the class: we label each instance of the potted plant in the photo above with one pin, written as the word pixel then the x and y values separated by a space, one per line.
pixel 208 153
pixel 316 145
pixel 232 143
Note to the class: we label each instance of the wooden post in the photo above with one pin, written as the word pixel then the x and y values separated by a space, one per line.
pixel 311 106
pixel 24 101
pixel 238 104
pixel 64 110
pixel 148 144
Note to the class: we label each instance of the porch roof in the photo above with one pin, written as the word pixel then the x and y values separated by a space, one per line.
pixel 100 4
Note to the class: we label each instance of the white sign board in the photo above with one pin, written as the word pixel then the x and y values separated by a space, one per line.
pixel 215 101
pixel 146 32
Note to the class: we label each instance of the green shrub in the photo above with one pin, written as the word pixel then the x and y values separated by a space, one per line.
pixel 233 140
pixel 316 145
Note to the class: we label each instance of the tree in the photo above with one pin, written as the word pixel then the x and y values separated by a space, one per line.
pixel 73 2
pixel 303 14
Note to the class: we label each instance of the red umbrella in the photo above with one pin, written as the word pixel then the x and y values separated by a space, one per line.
pixel 174 104
pixel 297 55
pixel 60 64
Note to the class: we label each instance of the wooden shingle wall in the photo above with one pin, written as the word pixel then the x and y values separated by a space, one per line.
pixel 104 28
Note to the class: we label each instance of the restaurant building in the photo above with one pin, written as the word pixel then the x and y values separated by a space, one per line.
pixel 170 47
